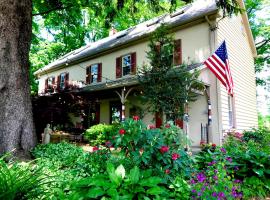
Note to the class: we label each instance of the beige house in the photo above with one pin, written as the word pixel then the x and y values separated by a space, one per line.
pixel 106 70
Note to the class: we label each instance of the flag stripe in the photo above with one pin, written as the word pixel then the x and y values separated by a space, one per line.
pixel 218 63
pixel 216 72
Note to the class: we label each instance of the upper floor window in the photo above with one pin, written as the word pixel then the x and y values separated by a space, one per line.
pixel 49 84
pixel 126 65
pixel 174 52
pixel 62 81
pixel 93 73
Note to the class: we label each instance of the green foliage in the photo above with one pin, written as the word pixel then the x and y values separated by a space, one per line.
pixel 99 134
pixel 22 181
pixel 159 77
pixel 118 184
pixel 71 159
pixel 159 149
pixel 61 155
pixel 214 180
pixel 261 32
pixel 264 121
pixel 250 155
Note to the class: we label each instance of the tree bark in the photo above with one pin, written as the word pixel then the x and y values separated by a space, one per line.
pixel 16 119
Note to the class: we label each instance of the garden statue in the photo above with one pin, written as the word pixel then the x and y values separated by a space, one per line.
pixel 47 134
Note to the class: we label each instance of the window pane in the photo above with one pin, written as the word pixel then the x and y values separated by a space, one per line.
pixel 115 114
pixel 126 70
pixel 94 73
pixel 126 64
pixel 62 81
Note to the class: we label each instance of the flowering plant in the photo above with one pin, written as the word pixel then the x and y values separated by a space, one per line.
pixel 159 149
pixel 215 182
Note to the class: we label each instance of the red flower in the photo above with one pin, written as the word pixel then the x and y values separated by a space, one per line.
pixel 167 171
pixel 167 126
pixel 151 126
pixel 164 149
pixel 175 156
pixel 202 142
pixel 214 145
pixel 136 118
pixel 122 131
pixel 95 148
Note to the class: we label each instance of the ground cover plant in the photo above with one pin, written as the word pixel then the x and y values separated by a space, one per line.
pixel 144 162
pixel 22 181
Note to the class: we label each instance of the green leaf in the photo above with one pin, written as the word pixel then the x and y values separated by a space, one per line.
pixel 134 175
pixel 155 191
pixel 95 192
pixel 150 182
pixel 120 171
pixel 259 172
pixel 113 193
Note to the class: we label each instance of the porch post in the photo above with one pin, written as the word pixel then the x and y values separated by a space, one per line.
pixel 123 98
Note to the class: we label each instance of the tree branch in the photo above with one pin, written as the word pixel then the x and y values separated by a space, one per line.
pixel 51 10
pixel 262 43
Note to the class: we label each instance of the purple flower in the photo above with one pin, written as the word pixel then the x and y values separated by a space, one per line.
pixel 214 194
pixel 192 181
pixel 212 163
pixel 221 195
pixel 199 194
pixel 223 150
pixel 229 159
pixel 215 171
pixel 237 181
pixel 201 177
pixel 215 177
pixel 193 191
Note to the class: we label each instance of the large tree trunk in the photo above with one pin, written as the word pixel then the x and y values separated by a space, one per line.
pixel 16 120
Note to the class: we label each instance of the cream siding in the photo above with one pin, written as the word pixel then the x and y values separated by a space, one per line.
pixel 242 68
pixel 195 48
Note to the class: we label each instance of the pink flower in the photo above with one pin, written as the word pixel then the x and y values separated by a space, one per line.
pixel 122 131
pixel 175 156
pixel 167 126
pixel 136 118
pixel 95 148
pixel 167 171
pixel 164 149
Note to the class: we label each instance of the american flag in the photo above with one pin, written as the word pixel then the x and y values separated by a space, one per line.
pixel 218 63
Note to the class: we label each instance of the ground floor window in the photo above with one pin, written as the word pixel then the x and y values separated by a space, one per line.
pixel 231 111
pixel 115 112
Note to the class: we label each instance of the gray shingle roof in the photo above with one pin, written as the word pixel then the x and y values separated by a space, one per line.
pixel 184 15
